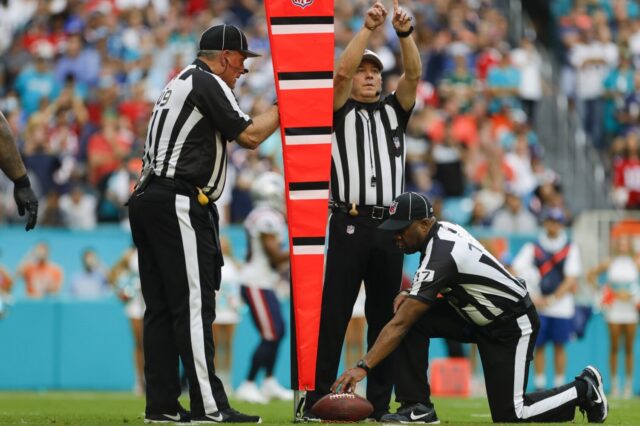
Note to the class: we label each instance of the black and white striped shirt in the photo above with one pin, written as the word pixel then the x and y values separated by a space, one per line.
pixel 368 152
pixel 192 121
pixel 458 267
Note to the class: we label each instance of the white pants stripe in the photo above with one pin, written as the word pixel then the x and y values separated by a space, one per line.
pixel 189 244
pixel 547 404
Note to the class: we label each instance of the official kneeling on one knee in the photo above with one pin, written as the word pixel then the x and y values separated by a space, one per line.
pixel 482 303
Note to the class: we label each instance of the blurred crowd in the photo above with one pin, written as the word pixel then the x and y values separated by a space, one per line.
pixel 601 76
pixel 78 79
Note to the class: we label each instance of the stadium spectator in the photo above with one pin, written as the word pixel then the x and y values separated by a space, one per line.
pixel 628 113
pixel 548 195
pixel 513 217
pixel 460 83
pixel 557 262
pixel 529 63
pixel 41 276
pixel 124 276
pixel 621 295
pixel 37 84
pixel 448 161
pixel 626 179
pixel 52 215
pixel 503 83
pixel 593 56
pixel 618 85
pixel 107 148
pixel 80 62
pixel 39 157
pixel 479 216
pixel 227 313
pixel 78 209
pixel 91 282
pixel 519 159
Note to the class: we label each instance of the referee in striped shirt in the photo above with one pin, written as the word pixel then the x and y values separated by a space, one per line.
pixel 367 173
pixel 461 292
pixel 175 224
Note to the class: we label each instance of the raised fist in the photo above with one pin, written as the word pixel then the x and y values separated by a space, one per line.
pixel 375 16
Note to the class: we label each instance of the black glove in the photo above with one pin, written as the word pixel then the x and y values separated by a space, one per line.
pixel 26 201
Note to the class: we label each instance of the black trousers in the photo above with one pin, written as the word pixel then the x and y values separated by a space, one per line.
pixel 357 251
pixel 179 272
pixel 506 349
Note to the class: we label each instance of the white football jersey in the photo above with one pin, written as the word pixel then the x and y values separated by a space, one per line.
pixel 258 271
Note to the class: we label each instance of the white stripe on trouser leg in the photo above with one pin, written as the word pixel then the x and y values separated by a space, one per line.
pixel 190 245
pixel 547 404
pixel 261 312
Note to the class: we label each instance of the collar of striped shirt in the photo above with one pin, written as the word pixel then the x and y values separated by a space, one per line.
pixel 202 65
pixel 432 232
pixel 370 106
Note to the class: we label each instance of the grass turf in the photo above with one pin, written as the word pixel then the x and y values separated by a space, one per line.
pixel 101 408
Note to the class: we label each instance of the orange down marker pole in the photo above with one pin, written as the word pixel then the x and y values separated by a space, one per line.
pixel 302 46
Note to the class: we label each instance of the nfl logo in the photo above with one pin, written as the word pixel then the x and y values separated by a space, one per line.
pixel 396 142
pixel 302 3
pixel 392 207
pixel 351 229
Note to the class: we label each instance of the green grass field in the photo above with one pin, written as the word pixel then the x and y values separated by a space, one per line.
pixel 93 408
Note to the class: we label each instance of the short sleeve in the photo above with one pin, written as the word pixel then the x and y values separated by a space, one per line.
pixel 436 272
pixel 267 224
pixel 217 103
pixel 403 116
pixel 573 265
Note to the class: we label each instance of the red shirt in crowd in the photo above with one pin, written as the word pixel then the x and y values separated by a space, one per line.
pixel 626 173
pixel 104 157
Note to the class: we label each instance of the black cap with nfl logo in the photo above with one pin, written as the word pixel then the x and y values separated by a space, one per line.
pixel 405 209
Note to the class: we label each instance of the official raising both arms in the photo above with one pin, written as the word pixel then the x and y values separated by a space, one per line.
pixel 367 173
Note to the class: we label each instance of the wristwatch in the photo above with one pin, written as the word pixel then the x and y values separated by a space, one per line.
pixel 403 34
pixel 363 365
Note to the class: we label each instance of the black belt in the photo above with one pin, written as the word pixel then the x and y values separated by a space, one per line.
pixel 373 212
pixel 178 185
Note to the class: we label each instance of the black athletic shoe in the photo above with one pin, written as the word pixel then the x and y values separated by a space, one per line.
pixel 308 416
pixel 595 405
pixel 412 413
pixel 376 416
pixel 226 416
pixel 181 416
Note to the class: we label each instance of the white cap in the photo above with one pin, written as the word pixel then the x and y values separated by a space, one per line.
pixel 43 49
pixel 370 55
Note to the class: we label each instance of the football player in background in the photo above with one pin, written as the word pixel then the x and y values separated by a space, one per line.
pixel 266 259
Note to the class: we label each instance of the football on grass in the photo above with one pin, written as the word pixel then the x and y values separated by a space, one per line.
pixel 347 407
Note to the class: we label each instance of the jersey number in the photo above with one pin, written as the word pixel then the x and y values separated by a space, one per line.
pixel 164 98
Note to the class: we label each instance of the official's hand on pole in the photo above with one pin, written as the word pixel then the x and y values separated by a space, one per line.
pixel 346 383
pixel 27 201
pixel 401 19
